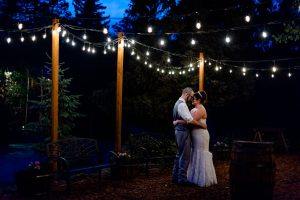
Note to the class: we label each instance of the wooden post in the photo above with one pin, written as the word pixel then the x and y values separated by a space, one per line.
pixel 119 92
pixel 55 69
pixel 201 72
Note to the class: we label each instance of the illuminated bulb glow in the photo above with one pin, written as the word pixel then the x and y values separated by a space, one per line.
pixel 44 36
pixel 274 69
pixel 84 36
pixel 64 33
pixel 247 18
pixel 150 29
pixel 264 34
pixel 227 39
pixel 8 40
pixel 198 25
pixel 256 75
pixel 193 42
pixel 162 42
pixel 20 26
pixel 33 38
pixel 105 30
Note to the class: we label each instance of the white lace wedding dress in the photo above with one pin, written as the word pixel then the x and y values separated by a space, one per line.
pixel 201 170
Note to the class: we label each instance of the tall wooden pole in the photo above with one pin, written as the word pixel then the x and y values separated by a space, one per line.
pixel 201 71
pixel 119 92
pixel 55 69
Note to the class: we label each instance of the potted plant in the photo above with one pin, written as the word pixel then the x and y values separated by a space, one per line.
pixel 124 166
pixel 34 180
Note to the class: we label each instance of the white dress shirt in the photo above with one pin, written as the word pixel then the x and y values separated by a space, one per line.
pixel 183 111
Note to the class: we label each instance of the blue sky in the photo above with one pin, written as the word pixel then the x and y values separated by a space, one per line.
pixel 114 8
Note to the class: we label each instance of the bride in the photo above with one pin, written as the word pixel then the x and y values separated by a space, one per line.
pixel 201 170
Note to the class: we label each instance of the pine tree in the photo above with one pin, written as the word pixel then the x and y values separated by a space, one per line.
pixel 68 105
pixel 90 14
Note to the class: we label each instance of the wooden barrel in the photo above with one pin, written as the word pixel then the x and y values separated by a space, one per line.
pixel 252 170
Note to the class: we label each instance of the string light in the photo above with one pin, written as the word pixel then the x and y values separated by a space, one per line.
pixel 264 34
pixel 150 30
pixel 227 39
pixel 105 31
pixel 84 36
pixel 247 18
pixel 8 39
pixel 33 38
pixel 193 42
pixel 198 25
pixel 20 26
pixel 45 35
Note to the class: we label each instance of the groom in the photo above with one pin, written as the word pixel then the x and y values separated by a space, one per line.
pixel 182 135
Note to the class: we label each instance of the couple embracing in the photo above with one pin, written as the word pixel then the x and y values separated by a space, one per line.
pixel 193 163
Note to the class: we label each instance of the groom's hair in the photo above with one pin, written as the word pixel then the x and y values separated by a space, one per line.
pixel 187 90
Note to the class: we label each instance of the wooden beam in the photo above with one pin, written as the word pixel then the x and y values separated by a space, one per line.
pixel 119 94
pixel 201 71
pixel 55 70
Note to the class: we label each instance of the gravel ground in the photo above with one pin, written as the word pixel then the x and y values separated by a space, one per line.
pixel 157 185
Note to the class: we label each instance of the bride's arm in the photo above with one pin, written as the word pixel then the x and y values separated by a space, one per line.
pixel 193 122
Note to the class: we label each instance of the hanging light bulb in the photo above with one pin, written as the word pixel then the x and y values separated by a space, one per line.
pixel 198 25
pixel 193 42
pixel 149 29
pixel 33 38
pixel 264 34
pixel 162 42
pixel 147 53
pixel 227 39
pixel 63 33
pixel 168 60
pixel 289 74
pixel 274 69
pixel 105 30
pixel 8 39
pixel 257 75
pixel 20 26
pixel 84 36
pixel 22 38
pixel 247 18
pixel 45 35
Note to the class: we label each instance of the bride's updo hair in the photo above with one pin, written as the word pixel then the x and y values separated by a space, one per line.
pixel 200 95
